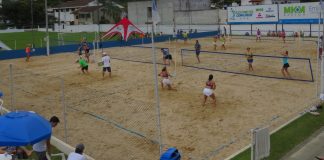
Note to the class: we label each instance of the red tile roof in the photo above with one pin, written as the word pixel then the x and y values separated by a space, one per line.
pixel 74 3
pixel 87 9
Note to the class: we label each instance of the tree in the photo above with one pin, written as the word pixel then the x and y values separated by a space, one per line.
pixel 18 12
pixel 111 9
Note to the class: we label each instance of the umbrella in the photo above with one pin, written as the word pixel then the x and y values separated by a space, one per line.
pixel 21 128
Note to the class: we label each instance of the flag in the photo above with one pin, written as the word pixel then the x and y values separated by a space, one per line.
pixel 155 14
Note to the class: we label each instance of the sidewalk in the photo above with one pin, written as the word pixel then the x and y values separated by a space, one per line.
pixel 314 146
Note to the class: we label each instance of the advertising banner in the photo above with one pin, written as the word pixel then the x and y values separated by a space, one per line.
pixel 299 13
pixel 253 14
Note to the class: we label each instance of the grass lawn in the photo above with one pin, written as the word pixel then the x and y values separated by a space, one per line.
pixel 290 136
pixel 23 38
pixel 54 151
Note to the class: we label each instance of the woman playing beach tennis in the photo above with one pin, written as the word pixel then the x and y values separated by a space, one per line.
pixel 208 90
pixel 215 42
pixel 284 69
pixel 197 48
pixel 249 58
pixel 165 79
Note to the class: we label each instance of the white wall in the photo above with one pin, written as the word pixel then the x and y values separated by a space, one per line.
pixel 289 28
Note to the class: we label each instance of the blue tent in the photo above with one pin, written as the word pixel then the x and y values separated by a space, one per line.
pixel 171 154
pixel 21 128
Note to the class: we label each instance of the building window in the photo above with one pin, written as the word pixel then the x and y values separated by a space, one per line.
pixel 73 9
pixel 149 12
pixel 76 17
pixel 62 10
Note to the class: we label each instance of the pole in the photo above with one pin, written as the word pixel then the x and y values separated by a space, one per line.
pixel 318 54
pixel 322 61
pixel 99 26
pixel 11 88
pixel 156 91
pixel 32 20
pixel 64 110
pixel 47 35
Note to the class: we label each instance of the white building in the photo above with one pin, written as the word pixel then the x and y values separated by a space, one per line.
pixel 186 12
pixel 261 2
pixel 64 11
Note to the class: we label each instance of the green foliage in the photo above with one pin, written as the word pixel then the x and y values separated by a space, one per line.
pixel 19 12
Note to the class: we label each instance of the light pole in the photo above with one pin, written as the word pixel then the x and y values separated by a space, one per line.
pixel 47 36
pixel 32 21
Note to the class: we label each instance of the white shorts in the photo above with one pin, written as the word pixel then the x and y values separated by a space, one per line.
pixel 166 81
pixel 258 36
pixel 207 92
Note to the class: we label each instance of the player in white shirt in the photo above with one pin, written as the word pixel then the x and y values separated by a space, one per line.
pixel 106 64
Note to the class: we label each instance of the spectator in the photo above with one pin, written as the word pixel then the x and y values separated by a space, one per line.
pixel 78 153
pixel 41 147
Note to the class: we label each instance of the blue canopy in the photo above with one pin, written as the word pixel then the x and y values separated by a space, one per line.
pixel 21 128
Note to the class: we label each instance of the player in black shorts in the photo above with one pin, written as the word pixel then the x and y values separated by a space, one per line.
pixel 167 57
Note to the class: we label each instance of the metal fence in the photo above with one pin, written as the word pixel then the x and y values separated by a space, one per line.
pixel 110 124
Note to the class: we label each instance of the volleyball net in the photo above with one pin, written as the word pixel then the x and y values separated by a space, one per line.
pixel 266 66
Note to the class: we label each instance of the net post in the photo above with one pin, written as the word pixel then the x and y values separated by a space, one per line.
pixel 181 57
pixel 64 109
pixel 311 69
pixel 11 87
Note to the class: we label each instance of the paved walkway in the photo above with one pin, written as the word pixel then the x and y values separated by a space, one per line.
pixel 314 146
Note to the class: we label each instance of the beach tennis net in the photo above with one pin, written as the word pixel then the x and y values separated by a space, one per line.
pixel 265 66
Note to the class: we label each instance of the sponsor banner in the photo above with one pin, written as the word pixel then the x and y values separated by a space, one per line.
pixel 253 14
pixel 305 12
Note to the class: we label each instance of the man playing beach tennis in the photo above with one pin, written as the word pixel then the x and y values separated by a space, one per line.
pixel 28 51
pixel 197 48
pixel 167 57
pixel 284 69
pixel 83 64
pixel 249 57
pixel 223 40
pixel 258 35
pixel 105 64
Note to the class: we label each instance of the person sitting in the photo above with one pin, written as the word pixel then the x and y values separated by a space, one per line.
pixel 16 152
pixel 78 153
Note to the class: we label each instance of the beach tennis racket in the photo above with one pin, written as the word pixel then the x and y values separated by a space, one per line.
pixel 100 64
